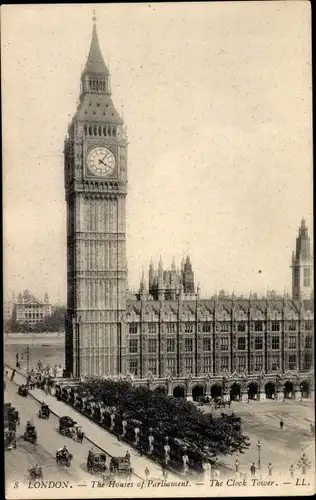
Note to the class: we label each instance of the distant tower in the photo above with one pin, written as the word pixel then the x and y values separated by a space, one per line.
pixel 142 286
pixel 161 286
pixel 188 277
pixel 46 298
pixel 302 265
pixel 151 274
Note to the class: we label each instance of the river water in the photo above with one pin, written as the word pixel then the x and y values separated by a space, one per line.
pixel 49 348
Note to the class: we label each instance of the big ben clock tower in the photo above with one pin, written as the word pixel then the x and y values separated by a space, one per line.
pixel 95 184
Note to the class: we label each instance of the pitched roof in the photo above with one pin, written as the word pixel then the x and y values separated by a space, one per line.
pixel 95 63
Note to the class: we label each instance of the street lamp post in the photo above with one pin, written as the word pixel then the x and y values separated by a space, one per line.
pixel 259 461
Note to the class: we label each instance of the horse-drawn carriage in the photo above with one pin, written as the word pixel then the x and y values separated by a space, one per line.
pixel 30 434
pixel 121 466
pixel 70 428
pixel 23 390
pixel 220 403
pixel 44 411
pixel 11 417
pixel 96 462
pixel 63 457
pixel 67 426
pixel 204 400
pixel 9 439
pixel 35 473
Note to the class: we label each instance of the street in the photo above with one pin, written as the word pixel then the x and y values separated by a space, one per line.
pixel 18 460
pixel 261 421
pixel 100 437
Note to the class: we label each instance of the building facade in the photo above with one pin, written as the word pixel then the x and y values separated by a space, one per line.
pixel 29 310
pixel 253 341
pixel 95 154
pixel 166 336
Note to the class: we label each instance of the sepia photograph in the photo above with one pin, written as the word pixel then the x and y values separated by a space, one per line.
pixel 158 310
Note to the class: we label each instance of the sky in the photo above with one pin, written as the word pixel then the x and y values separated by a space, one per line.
pixel 217 102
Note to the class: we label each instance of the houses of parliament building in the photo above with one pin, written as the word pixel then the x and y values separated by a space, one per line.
pixel 165 336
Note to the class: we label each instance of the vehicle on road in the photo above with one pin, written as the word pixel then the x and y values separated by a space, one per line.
pixel 23 390
pixel 67 427
pixel 9 439
pixel 96 462
pixel 44 411
pixel 121 466
pixel 30 434
pixel 220 403
pixel 204 400
pixel 11 416
pixel 35 473
pixel 63 457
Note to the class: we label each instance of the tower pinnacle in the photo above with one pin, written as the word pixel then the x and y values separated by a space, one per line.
pixel 95 64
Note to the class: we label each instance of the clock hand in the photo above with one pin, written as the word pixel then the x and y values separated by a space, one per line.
pixel 100 161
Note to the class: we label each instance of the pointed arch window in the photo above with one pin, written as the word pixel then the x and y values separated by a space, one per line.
pixel 104 130
pixel 85 129
pixel 95 130
pixel 109 131
pixel 100 130
pixel 114 131
pixel 90 130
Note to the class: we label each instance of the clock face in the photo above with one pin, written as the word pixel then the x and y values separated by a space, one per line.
pixel 101 161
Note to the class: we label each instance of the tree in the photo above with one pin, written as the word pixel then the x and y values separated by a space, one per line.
pixel 175 418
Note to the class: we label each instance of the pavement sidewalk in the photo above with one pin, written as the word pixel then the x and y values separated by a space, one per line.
pixel 99 437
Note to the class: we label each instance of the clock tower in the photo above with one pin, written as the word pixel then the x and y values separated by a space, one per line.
pixel 96 185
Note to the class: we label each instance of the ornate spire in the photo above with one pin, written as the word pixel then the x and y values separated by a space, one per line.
pixel 142 282
pixel 160 267
pixel 95 63
pixel 173 265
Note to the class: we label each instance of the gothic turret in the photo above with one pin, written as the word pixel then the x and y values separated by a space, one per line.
pixel 188 277
pixel 151 274
pixel 302 265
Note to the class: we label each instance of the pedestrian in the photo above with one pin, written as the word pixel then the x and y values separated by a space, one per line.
pixel 237 465
pixel 270 467
pixel 164 471
pixel 292 469
pixel 217 474
pixel 147 473
pixel 281 424
pixel 253 470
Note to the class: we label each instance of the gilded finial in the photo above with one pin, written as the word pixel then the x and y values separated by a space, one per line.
pixel 94 19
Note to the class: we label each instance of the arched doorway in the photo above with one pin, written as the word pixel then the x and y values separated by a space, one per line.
pixel 235 392
pixel 288 390
pixel 197 392
pixel 178 392
pixel 216 391
pixel 270 390
pixel 304 389
pixel 160 390
pixel 252 390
